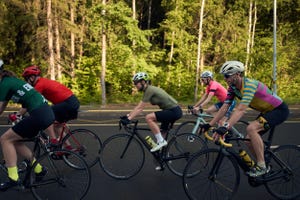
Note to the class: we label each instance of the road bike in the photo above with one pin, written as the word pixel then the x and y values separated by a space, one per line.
pixel 82 141
pixel 219 174
pixel 68 174
pixel 123 155
pixel 192 126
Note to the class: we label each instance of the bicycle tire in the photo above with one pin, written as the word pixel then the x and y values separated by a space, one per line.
pixel 122 167
pixel 204 185
pixel 287 187
pixel 185 127
pixel 61 180
pixel 184 144
pixel 86 143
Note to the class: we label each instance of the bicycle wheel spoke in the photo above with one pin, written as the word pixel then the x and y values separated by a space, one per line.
pixel 85 143
pixel 61 179
pixel 122 156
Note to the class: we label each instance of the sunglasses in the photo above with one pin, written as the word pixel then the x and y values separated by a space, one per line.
pixel 136 82
pixel 227 75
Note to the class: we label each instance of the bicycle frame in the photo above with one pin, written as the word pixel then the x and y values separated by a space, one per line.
pixel 254 181
pixel 160 157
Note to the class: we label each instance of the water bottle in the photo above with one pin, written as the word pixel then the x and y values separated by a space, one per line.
pixel 246 158
pixel 150 141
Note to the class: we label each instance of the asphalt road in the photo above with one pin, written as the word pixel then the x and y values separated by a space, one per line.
pixel 150 184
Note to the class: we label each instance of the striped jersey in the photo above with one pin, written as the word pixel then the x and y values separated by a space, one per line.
pixel 254 94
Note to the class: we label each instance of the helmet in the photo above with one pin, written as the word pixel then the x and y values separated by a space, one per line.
pixel 207 74
pixel 141 76
pixel 232 67
pixel 31 70
pixel 1 64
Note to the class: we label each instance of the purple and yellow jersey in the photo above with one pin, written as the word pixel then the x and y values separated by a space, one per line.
pixel 254 94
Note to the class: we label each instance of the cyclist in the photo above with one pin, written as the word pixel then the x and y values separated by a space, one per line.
pixel 213 88
pixel 169 113
pixel 40 117
pixel 256 95
pixel 65 104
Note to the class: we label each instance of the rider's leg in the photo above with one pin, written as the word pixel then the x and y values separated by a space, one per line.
pixel 256 144
pixel 8 140
pixel 152 123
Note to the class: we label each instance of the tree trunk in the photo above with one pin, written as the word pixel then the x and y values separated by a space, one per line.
pixel 58 55
pixel 72 43
pixel 103 61
pixel 149 17
pixel 200 34
pixel 249 36
pixel 50 40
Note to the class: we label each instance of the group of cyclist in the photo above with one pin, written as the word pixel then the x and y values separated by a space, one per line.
pixel 249 92
pixel 33 94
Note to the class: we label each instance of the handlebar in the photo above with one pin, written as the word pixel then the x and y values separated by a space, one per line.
pixel 221 139
pixel 199 114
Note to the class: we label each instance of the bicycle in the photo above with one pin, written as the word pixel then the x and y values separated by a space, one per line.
pixel 82 141
pixel 123 155
pixel 220 176
pixel 195 126
pixel 63 178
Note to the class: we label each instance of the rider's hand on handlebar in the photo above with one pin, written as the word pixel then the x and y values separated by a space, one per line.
pixel 14 117
pixel 220 132
pixel 205 127
pixel 124 120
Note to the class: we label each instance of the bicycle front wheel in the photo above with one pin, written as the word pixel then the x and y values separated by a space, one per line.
pixel 84 142
pixel 218 176
pixel 60 180
pixel 185 127
pixel 288 185
pixel 122 156
pixel 180 149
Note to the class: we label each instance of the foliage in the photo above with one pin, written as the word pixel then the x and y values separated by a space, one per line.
pixel 167 50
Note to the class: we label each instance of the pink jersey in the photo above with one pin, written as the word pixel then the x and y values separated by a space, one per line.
pixel 217 90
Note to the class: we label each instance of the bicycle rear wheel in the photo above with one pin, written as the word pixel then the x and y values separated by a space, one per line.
pixel 180 149
pixel 61 180
pixel 84 142
pixel 288 186
pixel 218 176
pixel 122 156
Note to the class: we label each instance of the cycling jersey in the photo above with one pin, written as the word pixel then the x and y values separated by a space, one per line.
pixel 18 91
pixel 157 96
pixel 255 95
pixel 53 91
pixel 216 89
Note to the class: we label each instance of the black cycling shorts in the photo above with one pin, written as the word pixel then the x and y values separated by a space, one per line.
pixel 66 110
pixel 168 116
pixel 38 119
pixel 276 116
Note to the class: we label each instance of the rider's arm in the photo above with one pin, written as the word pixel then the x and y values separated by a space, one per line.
pixel 3 105
pixel 203 98
pixel 137 110
pixel 239 111
pixel 207 100
pixel 220 114
pixel 22 111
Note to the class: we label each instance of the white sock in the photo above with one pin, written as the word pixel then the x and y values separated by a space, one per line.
pixel 261 164
pixel 159 138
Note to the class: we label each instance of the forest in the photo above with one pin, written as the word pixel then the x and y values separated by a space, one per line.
pixel 96 46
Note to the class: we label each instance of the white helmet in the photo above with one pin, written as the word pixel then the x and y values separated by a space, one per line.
pixel 207 74
pixel 232 67
pixel 1 64
pixel 140 76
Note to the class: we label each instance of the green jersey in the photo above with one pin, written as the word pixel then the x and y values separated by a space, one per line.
pixel 19 91
pixel 157 96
